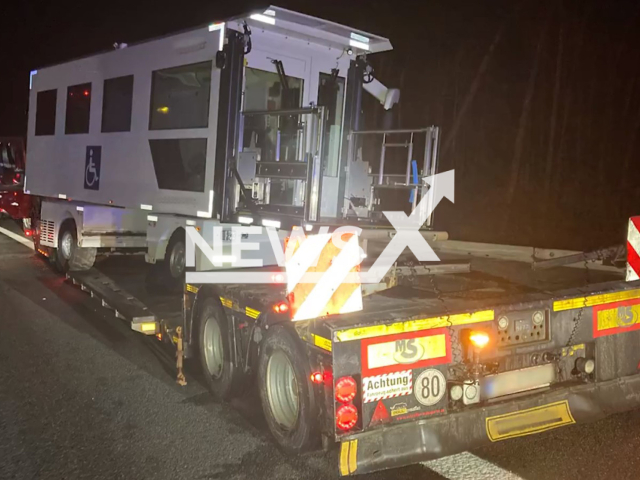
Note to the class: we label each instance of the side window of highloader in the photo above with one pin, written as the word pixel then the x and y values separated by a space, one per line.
pixel 180 97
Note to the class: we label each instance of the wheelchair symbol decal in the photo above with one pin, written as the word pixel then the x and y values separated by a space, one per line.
pixel 92 168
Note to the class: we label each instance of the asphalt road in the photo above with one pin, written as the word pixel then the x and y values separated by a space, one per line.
pixel 83 396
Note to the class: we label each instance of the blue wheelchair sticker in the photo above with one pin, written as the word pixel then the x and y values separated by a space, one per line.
pixel 92 168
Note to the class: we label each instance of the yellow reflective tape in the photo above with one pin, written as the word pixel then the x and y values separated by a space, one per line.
pixel 321 342
pixel 252 313
pixel 601 299
pixel 572 350
pixel 414 325
pixel 530 421
pixel 148 327
pixel 226 302
pixel 353 456
pixel 192 288
pixel 344 458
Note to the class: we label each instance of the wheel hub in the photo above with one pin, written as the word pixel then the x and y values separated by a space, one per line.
pixel 66 245
pixel 282 390
pixel 213 348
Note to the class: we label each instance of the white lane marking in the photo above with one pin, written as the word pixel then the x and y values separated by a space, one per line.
pixel 17 238
pixel 469 467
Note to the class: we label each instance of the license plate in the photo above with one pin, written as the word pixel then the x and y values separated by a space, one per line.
pixel 517 381
pixel 530 421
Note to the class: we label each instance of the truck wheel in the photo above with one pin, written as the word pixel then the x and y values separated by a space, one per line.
pixel 69 256
pixel 173 265
pixel 221 376
pixel 286 393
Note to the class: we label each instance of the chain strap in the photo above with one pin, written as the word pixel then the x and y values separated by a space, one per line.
pixel 577 320
pixel 456 350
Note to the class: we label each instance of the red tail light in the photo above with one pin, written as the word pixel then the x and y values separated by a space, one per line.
pixel 317 377
pixel 278 278
pixel 346 389
pixel 281 307
pixel 346 417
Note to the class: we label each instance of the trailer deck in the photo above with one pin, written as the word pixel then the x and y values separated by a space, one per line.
pixel 126 285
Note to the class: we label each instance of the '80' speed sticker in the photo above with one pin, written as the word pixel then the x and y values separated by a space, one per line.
pixel 429 387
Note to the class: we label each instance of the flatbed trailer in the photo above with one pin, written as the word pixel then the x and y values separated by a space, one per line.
pixel 404 380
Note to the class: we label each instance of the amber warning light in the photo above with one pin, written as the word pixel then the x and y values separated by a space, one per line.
pixel 479 339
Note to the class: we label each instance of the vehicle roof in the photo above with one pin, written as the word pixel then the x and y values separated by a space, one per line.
pixel 287 22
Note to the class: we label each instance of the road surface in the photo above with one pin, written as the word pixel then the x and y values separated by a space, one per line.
pixel 83 396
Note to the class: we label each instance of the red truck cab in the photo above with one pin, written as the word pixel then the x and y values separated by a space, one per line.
pixel 13 200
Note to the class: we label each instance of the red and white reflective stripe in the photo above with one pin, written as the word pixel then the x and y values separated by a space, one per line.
pixel 329 296
pixel 633 249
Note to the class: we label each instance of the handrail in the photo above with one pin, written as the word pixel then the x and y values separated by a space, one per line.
pixel 280 113
pixel 390 132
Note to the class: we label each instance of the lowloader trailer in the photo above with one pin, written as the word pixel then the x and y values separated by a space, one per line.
pixel 479 348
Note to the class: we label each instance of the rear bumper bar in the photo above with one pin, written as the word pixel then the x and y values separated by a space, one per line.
pixel 424 440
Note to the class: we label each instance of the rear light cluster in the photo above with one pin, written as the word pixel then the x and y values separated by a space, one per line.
pixel 346 414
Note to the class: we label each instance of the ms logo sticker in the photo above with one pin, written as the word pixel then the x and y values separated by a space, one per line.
pixel 92 168
pixel 394 353
pixel 615 318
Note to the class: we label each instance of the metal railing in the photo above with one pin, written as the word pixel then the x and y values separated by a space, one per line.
pixel 429 160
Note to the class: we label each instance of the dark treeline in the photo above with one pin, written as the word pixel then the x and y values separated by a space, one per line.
pixel 539 105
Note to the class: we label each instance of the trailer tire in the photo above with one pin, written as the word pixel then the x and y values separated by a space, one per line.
pixel 221 375
pixel 286 393
pixel 172 268
pixel 69 256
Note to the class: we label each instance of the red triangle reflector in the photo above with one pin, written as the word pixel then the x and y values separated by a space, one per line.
pixel 380 415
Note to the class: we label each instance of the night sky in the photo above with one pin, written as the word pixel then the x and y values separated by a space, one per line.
pixel 538 101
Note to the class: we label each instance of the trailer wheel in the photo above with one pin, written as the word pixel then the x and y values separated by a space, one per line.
pixel 286 393
pixel 172 268
pixel 221 375
pixel 69 256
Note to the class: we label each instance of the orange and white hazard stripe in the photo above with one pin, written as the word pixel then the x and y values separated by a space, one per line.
pixel 633 249
pixel 329 294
